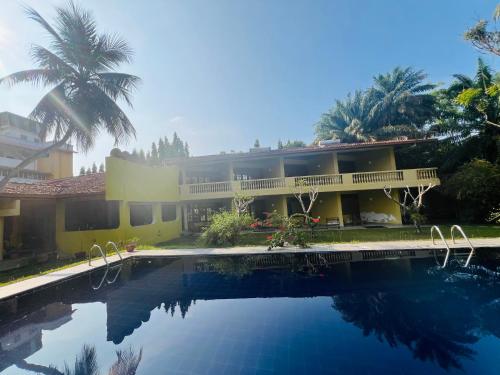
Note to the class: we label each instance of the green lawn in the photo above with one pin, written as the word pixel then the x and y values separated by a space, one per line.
pixel 349 235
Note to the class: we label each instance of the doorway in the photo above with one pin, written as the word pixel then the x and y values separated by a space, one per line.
pixel 350 209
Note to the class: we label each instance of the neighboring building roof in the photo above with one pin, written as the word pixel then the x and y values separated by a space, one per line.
pixel 11 119
pixel 265 153
pixel 92 184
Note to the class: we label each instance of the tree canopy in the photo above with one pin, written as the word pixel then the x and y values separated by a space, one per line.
pixel 79 68
pixel 399 103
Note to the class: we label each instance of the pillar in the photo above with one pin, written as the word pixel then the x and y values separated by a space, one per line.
pixel 2 223
pixel 335 163
pixel 185 217
pixel 282 167
pixel 339 209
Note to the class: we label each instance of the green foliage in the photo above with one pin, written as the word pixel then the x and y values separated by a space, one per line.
pixel 483 39
pixel 294 144
pixel 289 231
pixel 225 228
pixel 94 168
pixel 82 171
pixel 398 104
pixel 476 186
pixel 78 67
pixel 256 144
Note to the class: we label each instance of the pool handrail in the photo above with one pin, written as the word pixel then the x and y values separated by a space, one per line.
pixel 436 228
pixel 113 245
pixel 461 231
pixel 103 255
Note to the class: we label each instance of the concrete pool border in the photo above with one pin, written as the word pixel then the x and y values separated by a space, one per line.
pixel 40 282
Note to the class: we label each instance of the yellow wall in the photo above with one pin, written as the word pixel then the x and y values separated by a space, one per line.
pixel 375 160
pixel 58 163
pixel 77 241
pixel 135 182
pixel 375 207
pixel 10 207
pixel 327 206
pixel 128 182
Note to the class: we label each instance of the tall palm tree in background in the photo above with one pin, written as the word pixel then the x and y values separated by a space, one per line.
pixel 79 69
pixel 403 102
pixel 399 103
pixel 347 120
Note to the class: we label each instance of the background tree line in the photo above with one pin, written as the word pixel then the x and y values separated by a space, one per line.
pixel 463 117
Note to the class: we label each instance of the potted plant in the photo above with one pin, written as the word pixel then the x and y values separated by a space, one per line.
pixel 131 244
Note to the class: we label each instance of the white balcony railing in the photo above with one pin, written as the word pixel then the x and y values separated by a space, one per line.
pixel 319 180
pixel 210 187
pixel 372 177
pixel 262 184
pixel 330 182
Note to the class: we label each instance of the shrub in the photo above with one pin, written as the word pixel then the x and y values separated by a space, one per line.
pixel 476 187
pixel 225 228
pixel 289 231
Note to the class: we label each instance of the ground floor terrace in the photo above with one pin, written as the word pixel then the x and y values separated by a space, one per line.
pixel 334 209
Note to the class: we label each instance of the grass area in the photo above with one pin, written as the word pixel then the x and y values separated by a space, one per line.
pixel 349 235
pixel 36 269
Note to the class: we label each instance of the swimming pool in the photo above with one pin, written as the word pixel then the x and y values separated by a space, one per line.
pixel 374 313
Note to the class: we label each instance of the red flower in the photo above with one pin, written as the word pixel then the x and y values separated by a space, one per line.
pixel 269 238
pixel 315 220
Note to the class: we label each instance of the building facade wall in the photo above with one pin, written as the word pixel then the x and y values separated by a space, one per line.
pixel 71 242
pixel 128 183
pixel 58 163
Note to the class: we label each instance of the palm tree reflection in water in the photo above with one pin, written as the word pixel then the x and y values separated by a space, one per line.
pixel 126 363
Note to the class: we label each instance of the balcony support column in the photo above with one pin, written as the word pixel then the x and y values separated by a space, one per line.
pixel 185 217
pixel 282 167
pixel 335 163
pixel 2 221
pixel 339 209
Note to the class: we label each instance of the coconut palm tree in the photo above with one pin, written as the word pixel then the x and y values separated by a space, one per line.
pixel 398 104
pixel 79 68
pixel 402 101
pixel 348 120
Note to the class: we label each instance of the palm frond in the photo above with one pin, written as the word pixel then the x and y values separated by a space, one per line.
pixel 110 51
pixel 126 363
pixel 35 77
pixel 117 85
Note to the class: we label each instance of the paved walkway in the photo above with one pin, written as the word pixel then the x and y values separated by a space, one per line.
pixel 57 276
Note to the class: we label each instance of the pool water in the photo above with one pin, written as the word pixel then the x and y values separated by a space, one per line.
pixel 267 314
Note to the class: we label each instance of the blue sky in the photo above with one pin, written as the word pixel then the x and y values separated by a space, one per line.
pixel 223 73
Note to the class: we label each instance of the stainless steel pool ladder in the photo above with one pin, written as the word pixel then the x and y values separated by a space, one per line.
pixel 457 227
pixel 113 245
pixel 436 228
pixel 103 254
pixel 448 251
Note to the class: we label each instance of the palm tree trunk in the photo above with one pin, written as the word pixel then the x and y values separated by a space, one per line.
pixel 14 172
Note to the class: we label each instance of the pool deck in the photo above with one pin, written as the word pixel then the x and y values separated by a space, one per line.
pixel 25 286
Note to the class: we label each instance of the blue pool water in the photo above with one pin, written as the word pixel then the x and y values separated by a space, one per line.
pixel 270 314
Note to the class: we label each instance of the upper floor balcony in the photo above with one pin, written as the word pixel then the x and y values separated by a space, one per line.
pixel 324 183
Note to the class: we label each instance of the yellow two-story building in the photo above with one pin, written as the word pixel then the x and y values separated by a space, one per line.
pixel 158 203
pixel 349 177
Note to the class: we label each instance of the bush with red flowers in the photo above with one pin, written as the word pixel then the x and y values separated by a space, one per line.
pixel 288 231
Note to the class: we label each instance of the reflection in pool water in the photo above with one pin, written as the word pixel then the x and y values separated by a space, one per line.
pixel 316 313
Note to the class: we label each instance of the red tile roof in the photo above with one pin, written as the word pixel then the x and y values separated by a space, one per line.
pixel 91 184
